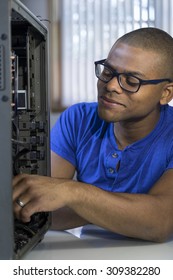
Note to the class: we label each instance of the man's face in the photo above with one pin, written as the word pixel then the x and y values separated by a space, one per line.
pixel 116 104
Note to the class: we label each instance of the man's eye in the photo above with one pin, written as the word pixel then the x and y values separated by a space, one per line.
pixel 131 81
pixel 106 72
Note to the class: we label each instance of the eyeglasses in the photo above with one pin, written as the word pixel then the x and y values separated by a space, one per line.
pixel 127 81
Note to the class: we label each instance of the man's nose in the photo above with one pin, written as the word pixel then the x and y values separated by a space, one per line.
pixel 113 85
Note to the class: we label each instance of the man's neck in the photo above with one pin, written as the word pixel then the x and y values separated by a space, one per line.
pixel 128 132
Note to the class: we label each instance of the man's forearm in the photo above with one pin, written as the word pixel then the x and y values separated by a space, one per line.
pixel 134 215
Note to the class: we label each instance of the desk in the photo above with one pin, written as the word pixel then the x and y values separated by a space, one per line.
pixel 92 243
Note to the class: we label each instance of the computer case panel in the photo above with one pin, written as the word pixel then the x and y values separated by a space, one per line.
pixel 24 120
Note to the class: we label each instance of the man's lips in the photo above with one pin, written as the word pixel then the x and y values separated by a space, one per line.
pixel 106 100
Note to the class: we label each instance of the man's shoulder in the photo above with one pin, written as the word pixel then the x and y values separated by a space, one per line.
pixel 83 107
pixel 169 110
pixel 84 119
pixel 82 112
pixel 168 116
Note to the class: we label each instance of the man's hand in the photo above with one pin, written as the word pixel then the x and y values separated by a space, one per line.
pixel 34 193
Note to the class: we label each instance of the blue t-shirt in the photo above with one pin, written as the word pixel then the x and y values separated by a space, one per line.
pixel 88 142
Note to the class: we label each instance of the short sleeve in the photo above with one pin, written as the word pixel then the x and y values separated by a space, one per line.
pixel 63 140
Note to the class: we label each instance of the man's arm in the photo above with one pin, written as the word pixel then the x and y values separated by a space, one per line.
pixel 64 218
pixel 146 216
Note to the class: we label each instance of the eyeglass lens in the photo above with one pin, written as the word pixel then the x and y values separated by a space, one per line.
pixel 127 82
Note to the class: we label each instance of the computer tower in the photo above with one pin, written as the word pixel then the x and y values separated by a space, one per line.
pixel 24 120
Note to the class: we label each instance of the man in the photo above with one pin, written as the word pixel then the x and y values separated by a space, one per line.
pixel 120 147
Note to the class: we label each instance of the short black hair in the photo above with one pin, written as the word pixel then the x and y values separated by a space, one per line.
pixel 153 39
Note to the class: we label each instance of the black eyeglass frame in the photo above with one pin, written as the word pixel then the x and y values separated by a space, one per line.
pixel 116 74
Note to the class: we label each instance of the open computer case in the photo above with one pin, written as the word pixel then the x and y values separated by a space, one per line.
pixel 24 120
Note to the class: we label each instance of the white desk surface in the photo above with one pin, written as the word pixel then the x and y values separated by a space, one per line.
pixel 97 244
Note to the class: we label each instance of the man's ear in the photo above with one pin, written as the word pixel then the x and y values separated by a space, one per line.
pixel 167 94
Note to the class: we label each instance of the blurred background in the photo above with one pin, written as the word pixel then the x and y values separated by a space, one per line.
pixel 82 31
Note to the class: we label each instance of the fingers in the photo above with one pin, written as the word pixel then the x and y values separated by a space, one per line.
pixel 21 197
pixel 24 209
pixel 20 213
pixel 30 195
pixel 19 185
pixel 33 193
pixel 24 214
pixel 18 177
pixel 20 202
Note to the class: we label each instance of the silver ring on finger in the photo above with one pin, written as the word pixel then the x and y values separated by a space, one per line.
pixel 20 203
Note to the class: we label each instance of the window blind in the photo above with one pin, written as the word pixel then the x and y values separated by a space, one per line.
pixel 89 28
